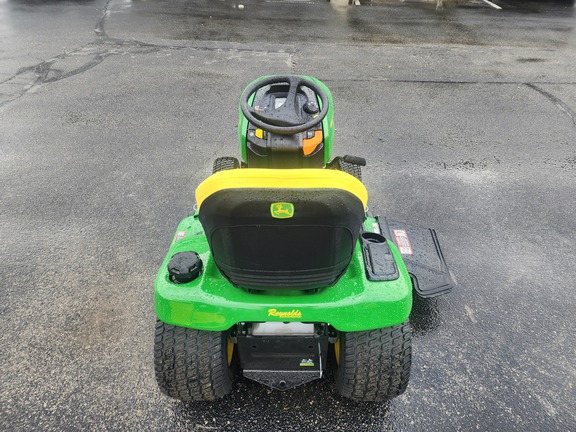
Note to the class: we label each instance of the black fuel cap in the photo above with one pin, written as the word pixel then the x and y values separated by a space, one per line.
pixel 184 267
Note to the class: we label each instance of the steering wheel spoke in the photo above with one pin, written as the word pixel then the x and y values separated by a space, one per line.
pixel 291 103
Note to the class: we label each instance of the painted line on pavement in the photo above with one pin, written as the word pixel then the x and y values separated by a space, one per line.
pixel 495 6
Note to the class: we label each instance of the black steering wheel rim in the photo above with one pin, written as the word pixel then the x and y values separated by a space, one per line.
pixel 294 83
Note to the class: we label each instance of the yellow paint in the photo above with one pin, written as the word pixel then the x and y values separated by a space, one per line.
pixel 256 178
pixel 294 313
pixel 230 351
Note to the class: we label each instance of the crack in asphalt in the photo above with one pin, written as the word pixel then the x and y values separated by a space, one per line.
pixel 56 69
pixel 99 29
pixel 29 79
pixel 556 101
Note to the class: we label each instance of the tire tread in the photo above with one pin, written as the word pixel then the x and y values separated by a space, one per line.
pixel 375 364
pixel 225 163
pixel 189 364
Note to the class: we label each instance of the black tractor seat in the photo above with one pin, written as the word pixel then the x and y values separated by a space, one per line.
pixel 276 229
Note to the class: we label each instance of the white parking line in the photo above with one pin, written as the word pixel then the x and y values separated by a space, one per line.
pixel 495 6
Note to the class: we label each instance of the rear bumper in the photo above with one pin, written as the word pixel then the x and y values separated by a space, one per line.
pixel 212 303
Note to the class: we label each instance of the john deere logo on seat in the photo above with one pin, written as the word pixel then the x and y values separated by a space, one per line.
pixel 282 210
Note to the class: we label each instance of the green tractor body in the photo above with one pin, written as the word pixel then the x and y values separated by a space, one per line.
pixel 282 272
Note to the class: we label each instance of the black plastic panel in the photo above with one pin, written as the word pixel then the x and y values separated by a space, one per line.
pixel 281 151
pixel 378 259
pixel 423 257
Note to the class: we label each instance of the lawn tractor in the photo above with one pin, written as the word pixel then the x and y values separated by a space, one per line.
pixel 281 272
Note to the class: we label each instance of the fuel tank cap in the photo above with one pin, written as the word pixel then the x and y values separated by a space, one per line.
pixel 184 267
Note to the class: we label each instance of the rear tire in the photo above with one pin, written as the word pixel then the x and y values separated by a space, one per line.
pixel 374 365
pixel 192 365
pixel 225 163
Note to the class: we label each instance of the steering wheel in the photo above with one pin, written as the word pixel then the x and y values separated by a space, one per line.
pixel 287 119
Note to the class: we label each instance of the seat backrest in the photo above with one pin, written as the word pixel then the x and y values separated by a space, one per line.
pixel 280 228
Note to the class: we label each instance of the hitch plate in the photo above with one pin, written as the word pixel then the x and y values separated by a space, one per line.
pixel 283 362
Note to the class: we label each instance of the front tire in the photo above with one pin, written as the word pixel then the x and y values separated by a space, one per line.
pixel 350 168
pixel 374 365
pixel 192 365
pixel 225 163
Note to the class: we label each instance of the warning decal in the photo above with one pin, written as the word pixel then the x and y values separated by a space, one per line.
pixel 403 242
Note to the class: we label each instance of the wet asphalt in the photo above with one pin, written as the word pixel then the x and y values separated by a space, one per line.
pixel 112 112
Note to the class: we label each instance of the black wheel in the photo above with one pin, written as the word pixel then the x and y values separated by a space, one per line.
pixel 374 365
pixel 225 163
pixel 350 168
pixel 192 365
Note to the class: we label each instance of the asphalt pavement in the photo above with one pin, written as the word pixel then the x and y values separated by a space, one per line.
pixel 111 113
